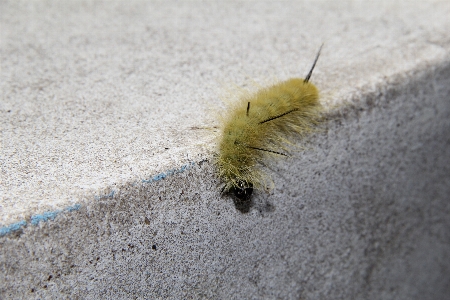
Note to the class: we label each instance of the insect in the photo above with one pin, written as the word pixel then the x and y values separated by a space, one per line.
pixel 261 125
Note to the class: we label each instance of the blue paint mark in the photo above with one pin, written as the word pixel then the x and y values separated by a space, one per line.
pixel 13 227
pixel 73 207
pixel 161 176
pixel 50 215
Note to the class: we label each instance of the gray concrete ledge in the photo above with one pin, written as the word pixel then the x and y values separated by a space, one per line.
pixel 95 206
pixel 341 224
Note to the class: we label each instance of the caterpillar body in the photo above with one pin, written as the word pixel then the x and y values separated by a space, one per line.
pixel 261 125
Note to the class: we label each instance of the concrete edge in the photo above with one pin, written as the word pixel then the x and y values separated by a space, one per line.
pixel 51 215
pixel 351 106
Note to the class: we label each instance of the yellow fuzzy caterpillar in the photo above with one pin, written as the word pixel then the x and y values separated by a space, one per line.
pixel 261 125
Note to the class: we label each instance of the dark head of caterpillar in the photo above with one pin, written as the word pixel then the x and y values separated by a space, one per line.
pixel 243 190
pixel 260 127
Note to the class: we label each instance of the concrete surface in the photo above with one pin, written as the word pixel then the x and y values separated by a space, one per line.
pixel 108 114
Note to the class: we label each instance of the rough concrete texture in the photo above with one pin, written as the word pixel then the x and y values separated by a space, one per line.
pixel 93 93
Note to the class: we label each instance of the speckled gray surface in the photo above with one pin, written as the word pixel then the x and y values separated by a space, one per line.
pixel 93 94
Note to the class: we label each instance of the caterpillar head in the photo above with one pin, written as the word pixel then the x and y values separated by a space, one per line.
pixel 243 190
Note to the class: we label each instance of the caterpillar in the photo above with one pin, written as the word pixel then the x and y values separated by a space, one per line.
pixel 261 125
